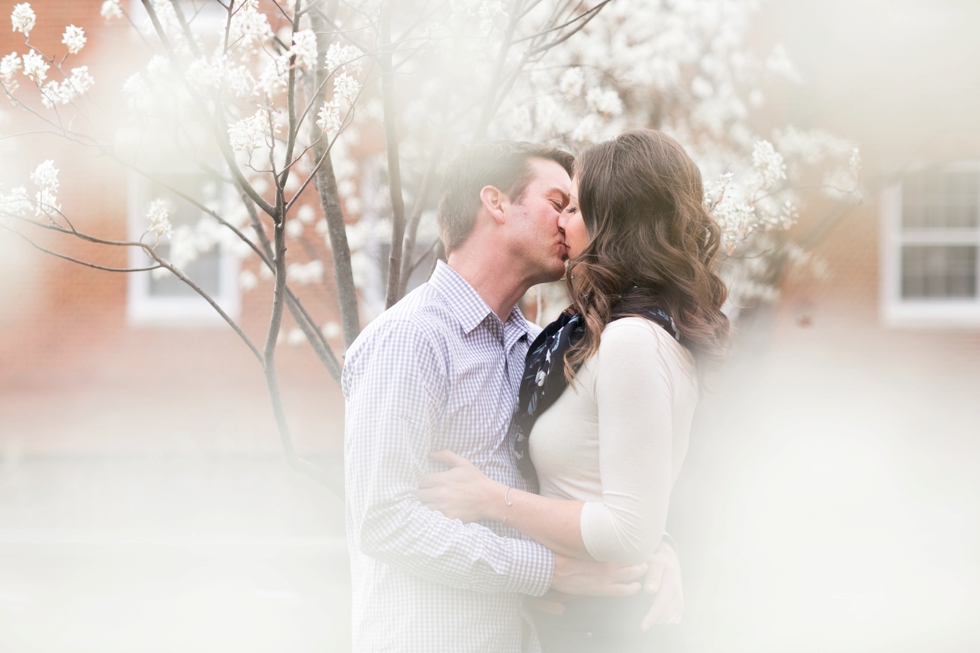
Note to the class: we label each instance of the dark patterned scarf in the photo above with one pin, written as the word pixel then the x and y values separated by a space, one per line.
pixel 544 374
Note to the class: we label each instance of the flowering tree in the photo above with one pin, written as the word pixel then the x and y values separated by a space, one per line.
pixel 270 101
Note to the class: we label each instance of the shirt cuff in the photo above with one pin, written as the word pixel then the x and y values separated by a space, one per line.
pixel 532 569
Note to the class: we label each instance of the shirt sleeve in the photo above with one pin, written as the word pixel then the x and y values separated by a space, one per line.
pixel 633 393
pixel 396 389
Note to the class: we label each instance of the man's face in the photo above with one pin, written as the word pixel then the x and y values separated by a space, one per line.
pixel 534 221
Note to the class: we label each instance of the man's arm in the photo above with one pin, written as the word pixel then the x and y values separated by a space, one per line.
pixel 396 388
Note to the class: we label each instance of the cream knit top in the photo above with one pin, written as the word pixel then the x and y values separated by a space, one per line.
pixel 617 436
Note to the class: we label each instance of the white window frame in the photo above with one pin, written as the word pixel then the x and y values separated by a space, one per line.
pixel 145 310
pixel 212 17
pixel 940 313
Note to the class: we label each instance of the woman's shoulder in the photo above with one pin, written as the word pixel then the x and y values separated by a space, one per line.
pixel 642 337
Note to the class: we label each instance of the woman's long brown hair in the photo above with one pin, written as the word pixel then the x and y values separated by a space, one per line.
pixel 652 244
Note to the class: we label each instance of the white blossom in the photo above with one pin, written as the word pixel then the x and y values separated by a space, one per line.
pixel 158 218
pixel 304 48
pixel 346 87
pixel 343 58
pixel 80 80
pixel 138 91
pixel 768 163
pixel 251 133
pixel 328 118
pixel 306 214
pixel 9 66
pixel 572 82
pixel 111 9
pixel 295 337
pixel 45 177
pixel 275 77
pixel 294 229
pixel 22 18
pixel 74 38
pixel 305 273
pixel 54 93
pixel 35 67
pixel 16 203
pixel 727 205
pixel 331 330
pixel 247 280
pixel 606 102
pixel 249 28
pixel 780 64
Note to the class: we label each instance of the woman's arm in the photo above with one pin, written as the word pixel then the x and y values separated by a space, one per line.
pixel 633 391
pixel 465 493
pixel 634 395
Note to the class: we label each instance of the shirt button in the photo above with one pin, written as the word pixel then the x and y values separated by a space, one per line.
pixel 589 635
pixel 465 586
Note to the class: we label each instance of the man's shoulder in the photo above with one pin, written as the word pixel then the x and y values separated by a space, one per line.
pixel 421 313
pixel 420 322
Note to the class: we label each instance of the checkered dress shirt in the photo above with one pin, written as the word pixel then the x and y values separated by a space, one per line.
pixel 439 370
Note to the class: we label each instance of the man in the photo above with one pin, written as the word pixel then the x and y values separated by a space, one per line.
pixel 440 370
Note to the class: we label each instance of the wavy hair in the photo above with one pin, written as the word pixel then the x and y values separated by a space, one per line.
pixel 652 244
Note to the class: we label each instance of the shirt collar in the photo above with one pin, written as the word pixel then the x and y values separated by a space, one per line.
pixel 469 307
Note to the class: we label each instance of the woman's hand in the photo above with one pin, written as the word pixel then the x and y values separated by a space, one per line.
pixel 463 492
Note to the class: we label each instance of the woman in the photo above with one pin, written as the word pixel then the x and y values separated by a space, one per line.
pixel 610 388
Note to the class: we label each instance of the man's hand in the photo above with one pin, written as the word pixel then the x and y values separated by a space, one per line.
pixel 574 576
pixel 664 581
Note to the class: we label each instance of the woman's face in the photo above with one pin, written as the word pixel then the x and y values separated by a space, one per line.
pixel 572 224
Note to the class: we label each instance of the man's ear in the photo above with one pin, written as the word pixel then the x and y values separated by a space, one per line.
pixel 494 201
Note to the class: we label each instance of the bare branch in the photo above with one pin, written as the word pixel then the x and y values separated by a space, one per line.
pixel 394 165
pixel 411 229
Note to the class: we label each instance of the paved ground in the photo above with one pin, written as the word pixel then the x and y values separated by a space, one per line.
pixel 132 555
pixel 829 503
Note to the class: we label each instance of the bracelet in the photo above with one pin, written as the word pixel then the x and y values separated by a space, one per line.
pixel 506 492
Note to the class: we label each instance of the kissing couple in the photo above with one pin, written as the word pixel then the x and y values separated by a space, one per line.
pixel 508 486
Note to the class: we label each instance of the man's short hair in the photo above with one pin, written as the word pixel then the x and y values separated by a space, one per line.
pixel 501 164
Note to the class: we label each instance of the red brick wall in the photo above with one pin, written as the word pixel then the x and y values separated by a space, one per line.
pixel 74 377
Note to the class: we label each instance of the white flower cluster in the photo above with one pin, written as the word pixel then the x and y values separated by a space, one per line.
pixel 158 218
pixel 45 177
pixel 252 133
pixel 305 273
pixel 768 163
pixel 16 203
pixel 304 49
pixel 77 84
pixel 74 38
pixel 343 58
pixel 346 88
pixel 35 67
pixel 215 72
pixel 780 64
pixel 249 28
pixel 9 66
pixel 247 280
pixel 23 19
pixel 111 9
pixel 729 207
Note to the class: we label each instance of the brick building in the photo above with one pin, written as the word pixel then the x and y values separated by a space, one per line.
pixel 97 362
pixel 89 365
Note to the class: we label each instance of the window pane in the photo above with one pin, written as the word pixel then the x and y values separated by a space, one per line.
pixel 943 271
pixel 941 200
pixel 205 271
